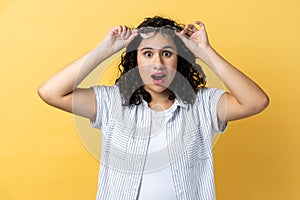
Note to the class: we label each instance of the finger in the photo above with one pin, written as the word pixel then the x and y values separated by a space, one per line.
pixel 200 24
pixel 193 28
pixel 119 29
pixel 189 29
pixel 128 33
pixel 183 31
pixel 114 30
pixel 124 31
pixel 197 22
pixel 132 36
pixel 186 31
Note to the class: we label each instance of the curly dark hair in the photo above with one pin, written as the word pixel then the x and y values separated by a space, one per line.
pixel 185 83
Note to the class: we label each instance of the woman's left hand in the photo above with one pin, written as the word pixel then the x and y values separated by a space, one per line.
pixel 195 39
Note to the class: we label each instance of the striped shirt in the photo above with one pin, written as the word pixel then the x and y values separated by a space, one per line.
pixel 125 140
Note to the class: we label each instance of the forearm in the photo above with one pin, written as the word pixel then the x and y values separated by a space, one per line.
pixel 245 98
pixel 245 91
pixel 67 79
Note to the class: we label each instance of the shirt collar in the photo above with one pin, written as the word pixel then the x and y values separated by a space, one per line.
pixel 177 102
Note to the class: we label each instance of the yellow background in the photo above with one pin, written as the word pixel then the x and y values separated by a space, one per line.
pixel 41 154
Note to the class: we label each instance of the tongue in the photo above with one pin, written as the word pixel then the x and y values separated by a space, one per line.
pixel 158 82
pixel 158 79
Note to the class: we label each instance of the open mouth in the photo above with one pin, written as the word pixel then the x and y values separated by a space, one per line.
pixel 158 79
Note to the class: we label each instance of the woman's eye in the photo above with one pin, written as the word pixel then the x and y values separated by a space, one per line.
pixel 167 53
pixel 148 54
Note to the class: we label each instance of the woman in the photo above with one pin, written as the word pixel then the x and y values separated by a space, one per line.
pixel 158 120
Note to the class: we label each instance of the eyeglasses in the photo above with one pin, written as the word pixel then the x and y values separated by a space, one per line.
pixel 149 31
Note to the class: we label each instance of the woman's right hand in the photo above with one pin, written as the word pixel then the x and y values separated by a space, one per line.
pixel 119 37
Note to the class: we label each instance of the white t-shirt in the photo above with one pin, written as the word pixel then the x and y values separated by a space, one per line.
pixel 157 181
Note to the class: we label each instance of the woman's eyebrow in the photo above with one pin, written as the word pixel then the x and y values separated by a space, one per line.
pixel 168 47
pixel 146 48
pixel 165 47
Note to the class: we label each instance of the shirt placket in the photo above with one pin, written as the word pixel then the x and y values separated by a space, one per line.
pixel 136 178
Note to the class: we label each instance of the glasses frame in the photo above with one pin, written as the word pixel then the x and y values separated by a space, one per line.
pixel 149 31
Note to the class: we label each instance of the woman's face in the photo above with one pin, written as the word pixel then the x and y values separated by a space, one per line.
pixel 157 62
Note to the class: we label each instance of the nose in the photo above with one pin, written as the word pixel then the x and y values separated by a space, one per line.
pixel 158 62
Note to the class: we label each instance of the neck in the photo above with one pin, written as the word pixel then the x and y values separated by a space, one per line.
pixel 160 101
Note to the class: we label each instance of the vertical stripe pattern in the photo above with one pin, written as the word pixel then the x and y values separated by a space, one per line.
pixel 125 137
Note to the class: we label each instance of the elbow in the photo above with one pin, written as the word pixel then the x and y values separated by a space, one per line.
pixel 261 104
pixel 266 102
pixel 45 94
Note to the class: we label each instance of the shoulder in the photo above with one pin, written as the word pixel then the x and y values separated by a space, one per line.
pixel 208 96
pixel 106 90
pixel 208 105
pixel 207 93
pixel 107 95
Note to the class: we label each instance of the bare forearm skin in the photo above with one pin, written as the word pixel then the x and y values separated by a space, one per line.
pixel 61 88
pixel 249 97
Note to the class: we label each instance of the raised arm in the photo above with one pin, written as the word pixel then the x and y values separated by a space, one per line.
pixel 61 88
pixel 245 98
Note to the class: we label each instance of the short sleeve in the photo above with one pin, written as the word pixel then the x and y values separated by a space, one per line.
pixel 103 104
pixel 209 99
pixel 215 97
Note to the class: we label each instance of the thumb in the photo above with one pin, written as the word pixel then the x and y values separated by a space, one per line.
pixel 131 37
pixel 183 37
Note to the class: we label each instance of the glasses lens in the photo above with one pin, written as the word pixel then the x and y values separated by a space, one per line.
pixel 146 32
pixel 168 30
